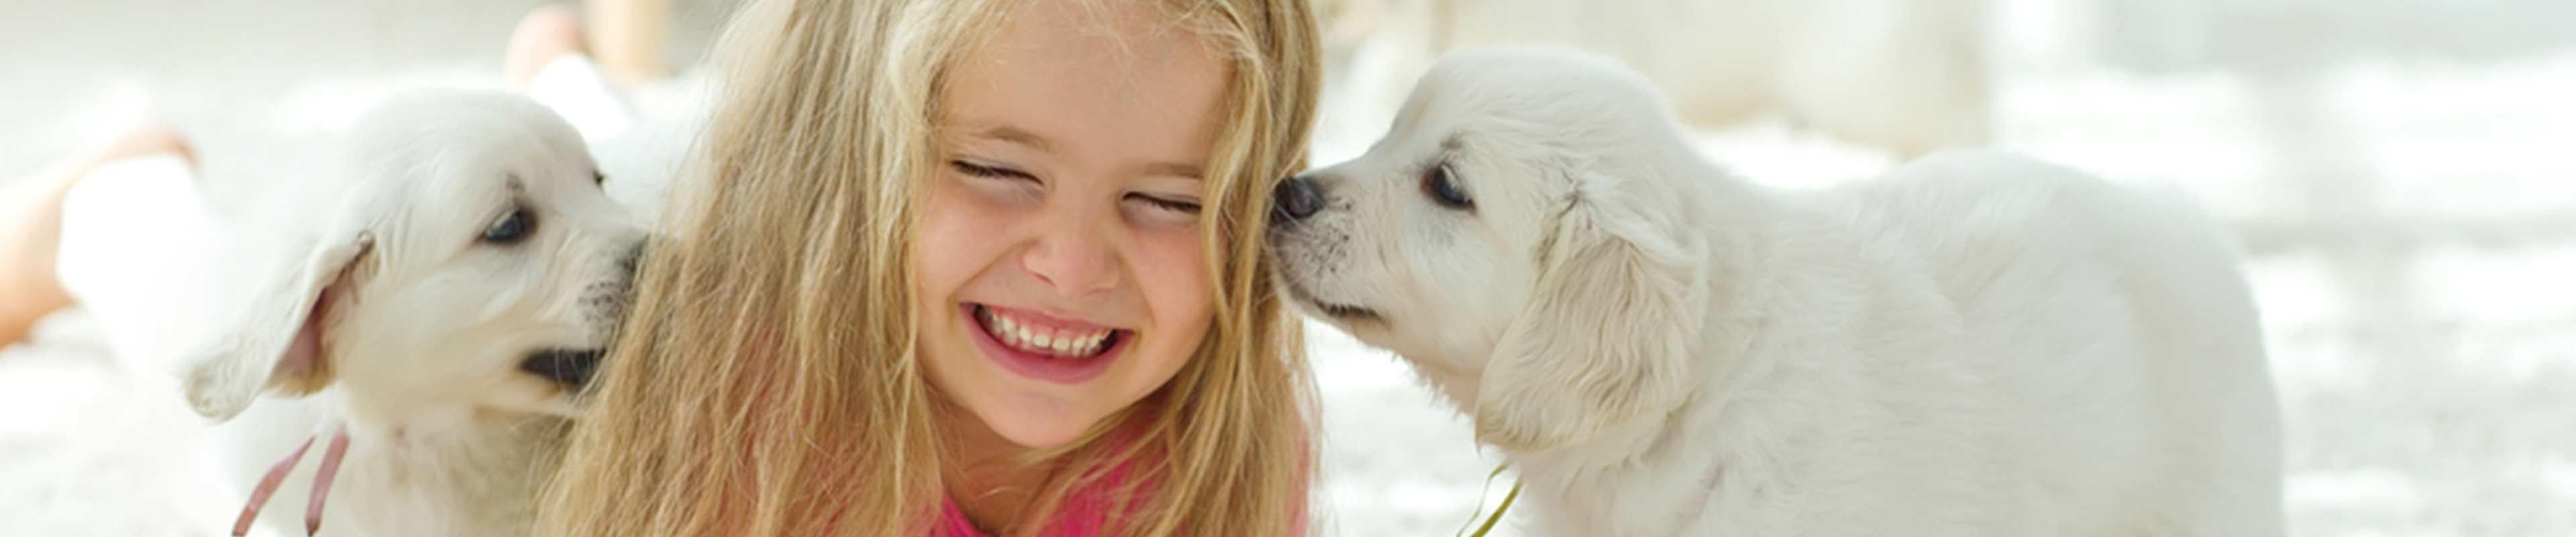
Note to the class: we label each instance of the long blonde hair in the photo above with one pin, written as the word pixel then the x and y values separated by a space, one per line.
pixel 767 381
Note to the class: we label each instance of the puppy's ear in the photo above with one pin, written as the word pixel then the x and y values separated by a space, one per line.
pixel 275 341
pixel 1603 339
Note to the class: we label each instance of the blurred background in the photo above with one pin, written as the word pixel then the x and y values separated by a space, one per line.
pixel 2401 175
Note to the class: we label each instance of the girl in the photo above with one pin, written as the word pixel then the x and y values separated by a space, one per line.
pixel 958 267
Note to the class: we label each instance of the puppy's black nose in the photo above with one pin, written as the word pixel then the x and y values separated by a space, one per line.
pixel 570 368
pixel 1295 199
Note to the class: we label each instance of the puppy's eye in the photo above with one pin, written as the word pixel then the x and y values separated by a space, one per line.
pixel 511 228
pixel 1444 190
pixel 597 178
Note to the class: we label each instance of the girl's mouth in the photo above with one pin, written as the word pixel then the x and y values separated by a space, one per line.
pixel 1044 349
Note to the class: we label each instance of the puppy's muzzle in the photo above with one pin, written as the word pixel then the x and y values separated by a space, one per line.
pixel 571 369
pixel 1295 199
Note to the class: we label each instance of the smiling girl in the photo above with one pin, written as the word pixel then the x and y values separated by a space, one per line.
pixel 964 267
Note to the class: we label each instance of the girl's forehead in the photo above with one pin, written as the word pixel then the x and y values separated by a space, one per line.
pixel 1130 35
pixel 1077 81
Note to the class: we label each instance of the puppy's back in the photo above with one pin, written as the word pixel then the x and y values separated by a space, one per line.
pixel 2117 315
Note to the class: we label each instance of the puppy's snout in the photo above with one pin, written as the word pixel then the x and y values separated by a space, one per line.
pixel 1295 199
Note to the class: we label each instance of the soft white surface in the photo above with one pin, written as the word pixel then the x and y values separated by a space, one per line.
pixel 2405 177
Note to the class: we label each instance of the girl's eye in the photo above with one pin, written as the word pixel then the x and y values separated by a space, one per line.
pixel 1163 212
pixel 1177 206
pixel 980 170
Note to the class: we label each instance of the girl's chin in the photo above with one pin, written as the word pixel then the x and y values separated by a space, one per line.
pixel 1034 421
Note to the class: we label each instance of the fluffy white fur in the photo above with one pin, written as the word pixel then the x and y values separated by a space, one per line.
pixel 1908 76
pixel 384 300
pixel 1973 344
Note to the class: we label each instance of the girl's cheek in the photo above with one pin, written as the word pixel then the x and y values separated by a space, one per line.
pixel 1177 256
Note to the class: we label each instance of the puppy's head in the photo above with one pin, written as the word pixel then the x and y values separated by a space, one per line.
pixel 1519 237
pixel 474 263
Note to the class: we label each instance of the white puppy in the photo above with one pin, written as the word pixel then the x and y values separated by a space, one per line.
pixel 1907 76
pixel 439 309
pixel 1971 345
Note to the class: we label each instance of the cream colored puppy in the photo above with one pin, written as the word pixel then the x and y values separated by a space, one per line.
pixel 1974 344
pixel 434 310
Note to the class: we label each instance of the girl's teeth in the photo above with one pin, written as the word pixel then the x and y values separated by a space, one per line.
pixel 1041 340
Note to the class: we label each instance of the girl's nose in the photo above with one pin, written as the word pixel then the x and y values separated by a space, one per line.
pixel 1075 260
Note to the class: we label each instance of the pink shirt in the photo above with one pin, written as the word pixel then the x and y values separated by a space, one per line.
pixel 1072 521
pixel 1082 515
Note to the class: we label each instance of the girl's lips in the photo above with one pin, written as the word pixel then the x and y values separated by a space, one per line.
pixel 1055 369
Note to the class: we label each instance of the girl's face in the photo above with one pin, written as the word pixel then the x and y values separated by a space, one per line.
pixel 1060 267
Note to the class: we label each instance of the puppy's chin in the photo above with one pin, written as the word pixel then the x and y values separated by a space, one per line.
pixel 1337 313
pixel 529 395
pixel 555 403
pixel 1342 313
pixel 567 406
pixel 564 402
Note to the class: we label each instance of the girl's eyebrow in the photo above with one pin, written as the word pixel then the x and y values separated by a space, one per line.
pixel 1015 135
pixel 1175 169
pixel 1031 140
